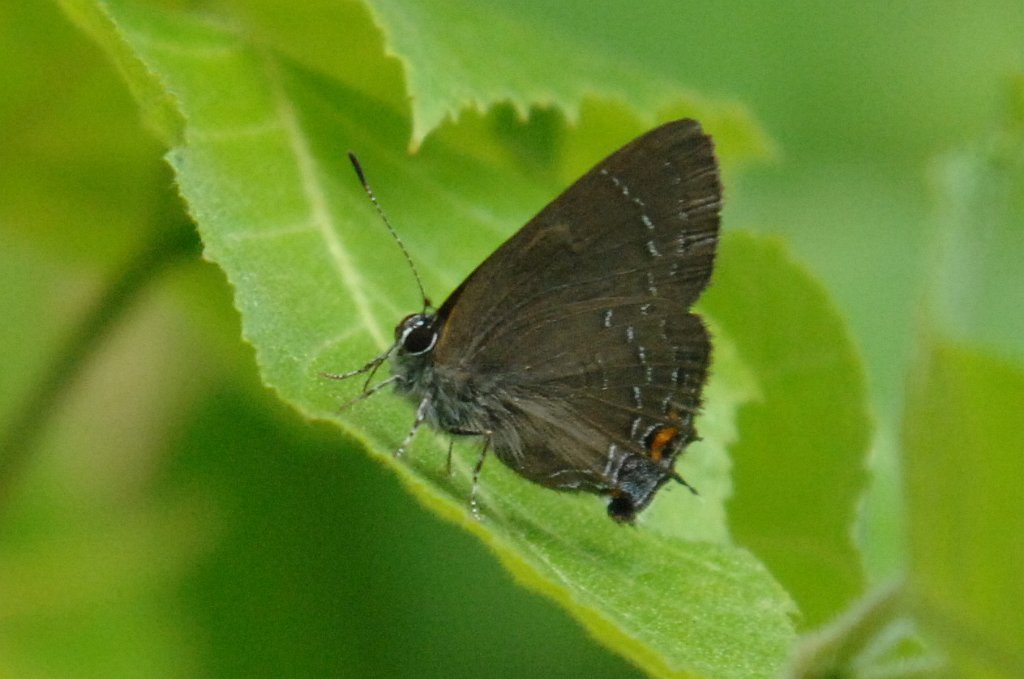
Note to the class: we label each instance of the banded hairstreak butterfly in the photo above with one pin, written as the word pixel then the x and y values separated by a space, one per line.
pixel 571 351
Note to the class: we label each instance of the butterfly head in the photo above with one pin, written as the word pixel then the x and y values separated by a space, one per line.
pixel 412 355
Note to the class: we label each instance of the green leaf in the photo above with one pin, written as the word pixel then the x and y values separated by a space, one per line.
pixel 800 459
pixel 63 159
pixel 158 107
pixel 961 429
pixel 460 54
pixel 962 437
pixel 977 287
pixel 263 168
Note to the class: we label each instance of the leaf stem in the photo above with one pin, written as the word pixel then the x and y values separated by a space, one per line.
pixel 173 238
pixel 836 649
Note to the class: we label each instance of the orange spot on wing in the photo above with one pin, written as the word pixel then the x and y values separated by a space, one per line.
pixel 661 439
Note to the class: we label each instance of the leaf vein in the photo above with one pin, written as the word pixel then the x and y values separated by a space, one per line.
pixel 320 213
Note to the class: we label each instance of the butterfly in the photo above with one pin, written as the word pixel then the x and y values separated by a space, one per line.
pixel 571 351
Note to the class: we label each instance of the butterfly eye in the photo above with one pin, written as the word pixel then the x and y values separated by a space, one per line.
pixel 418 334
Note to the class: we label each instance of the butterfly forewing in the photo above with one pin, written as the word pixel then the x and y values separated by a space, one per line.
pixel 641 225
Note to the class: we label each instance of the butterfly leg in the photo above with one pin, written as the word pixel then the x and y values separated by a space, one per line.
pixel 421 416
pixel 679 479
pixel 367 393
pixel 448 462
pixel 370 367
pixel 473 504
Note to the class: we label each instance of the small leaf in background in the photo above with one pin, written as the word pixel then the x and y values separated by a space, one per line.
pixel 799 465
pixel 962 438
pixel 435 40
pixel 962 427
pixel 977 290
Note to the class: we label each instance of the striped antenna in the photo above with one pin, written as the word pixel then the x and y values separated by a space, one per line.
pixel 387 223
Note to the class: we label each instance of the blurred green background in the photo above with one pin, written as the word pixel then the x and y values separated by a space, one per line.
pixel 173 519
